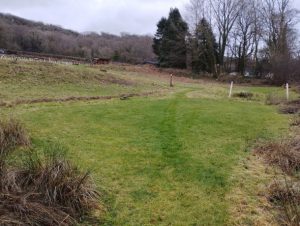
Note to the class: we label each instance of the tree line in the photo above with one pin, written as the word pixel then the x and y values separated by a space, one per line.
pixel 255 37
pixel 24 35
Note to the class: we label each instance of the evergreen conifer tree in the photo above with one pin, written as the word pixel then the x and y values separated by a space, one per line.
pixel 204 49
pixel 170 40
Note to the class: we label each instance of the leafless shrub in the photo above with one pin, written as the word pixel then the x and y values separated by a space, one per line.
pixel 296 121
pixel 291 107
pixel 243 94
pixel 273 99
pixel 285 194
pixel 284 154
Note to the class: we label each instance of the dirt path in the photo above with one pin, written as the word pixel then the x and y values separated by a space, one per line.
pixel 74 98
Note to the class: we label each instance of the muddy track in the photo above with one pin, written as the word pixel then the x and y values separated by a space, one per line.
pixel 73 98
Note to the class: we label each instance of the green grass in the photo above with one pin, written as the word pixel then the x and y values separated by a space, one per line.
pixel 162 160
pixel 31 80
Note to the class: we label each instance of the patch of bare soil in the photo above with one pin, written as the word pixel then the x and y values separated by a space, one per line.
pixel 73 98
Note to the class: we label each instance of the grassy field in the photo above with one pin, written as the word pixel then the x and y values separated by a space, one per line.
pixel 44 80
pixel 167 159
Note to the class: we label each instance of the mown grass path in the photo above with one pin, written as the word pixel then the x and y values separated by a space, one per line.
pixel 164 161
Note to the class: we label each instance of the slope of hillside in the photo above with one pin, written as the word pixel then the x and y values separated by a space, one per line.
pixel 21 81
pixel 21 34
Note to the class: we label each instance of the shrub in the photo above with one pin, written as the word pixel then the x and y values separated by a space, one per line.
pixel 284 154
pixel 273 99
pixel 286 194
pixel 246 95
pixel 296 121
pixel 291 107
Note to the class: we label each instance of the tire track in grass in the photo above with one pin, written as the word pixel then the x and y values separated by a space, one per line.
pixel 170 144
pixel 173 151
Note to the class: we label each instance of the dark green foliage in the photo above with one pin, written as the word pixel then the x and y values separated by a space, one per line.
pixel 170 41
pixel 204 49
pixel 157 41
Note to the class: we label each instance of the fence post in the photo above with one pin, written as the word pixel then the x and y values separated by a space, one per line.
pixel 171 80
pixel 287 92
pixel 231 88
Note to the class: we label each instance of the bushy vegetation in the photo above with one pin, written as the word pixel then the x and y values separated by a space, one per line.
pixel 244 94
pixel 284 154
pixel 40 189
pixel 284 191
pixel 291 107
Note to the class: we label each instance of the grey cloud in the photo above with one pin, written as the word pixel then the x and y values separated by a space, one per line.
pixel 114 16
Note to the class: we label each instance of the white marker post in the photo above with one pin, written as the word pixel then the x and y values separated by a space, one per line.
pixel 287 92
pixel 231 88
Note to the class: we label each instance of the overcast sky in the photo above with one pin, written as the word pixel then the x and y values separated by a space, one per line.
pixel 112 16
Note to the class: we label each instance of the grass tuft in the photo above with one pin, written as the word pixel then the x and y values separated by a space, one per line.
pixel 45 189
pixel 12 134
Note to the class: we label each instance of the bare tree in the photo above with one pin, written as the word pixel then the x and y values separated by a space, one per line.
pixel 225 14
pixel 279 20
pixel 197 10
pixel 245 34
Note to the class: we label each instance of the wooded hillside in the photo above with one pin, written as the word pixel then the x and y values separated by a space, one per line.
pixel 20 34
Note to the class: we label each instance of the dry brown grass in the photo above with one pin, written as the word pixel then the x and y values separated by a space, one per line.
pixel 284 191
pixel 285 195
pixel 41 190
pixel 296 121
pixel 12 134
pixel 52 193
pixel 248 202
pixel 291 107
pixel 273 99
pixel 284 154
